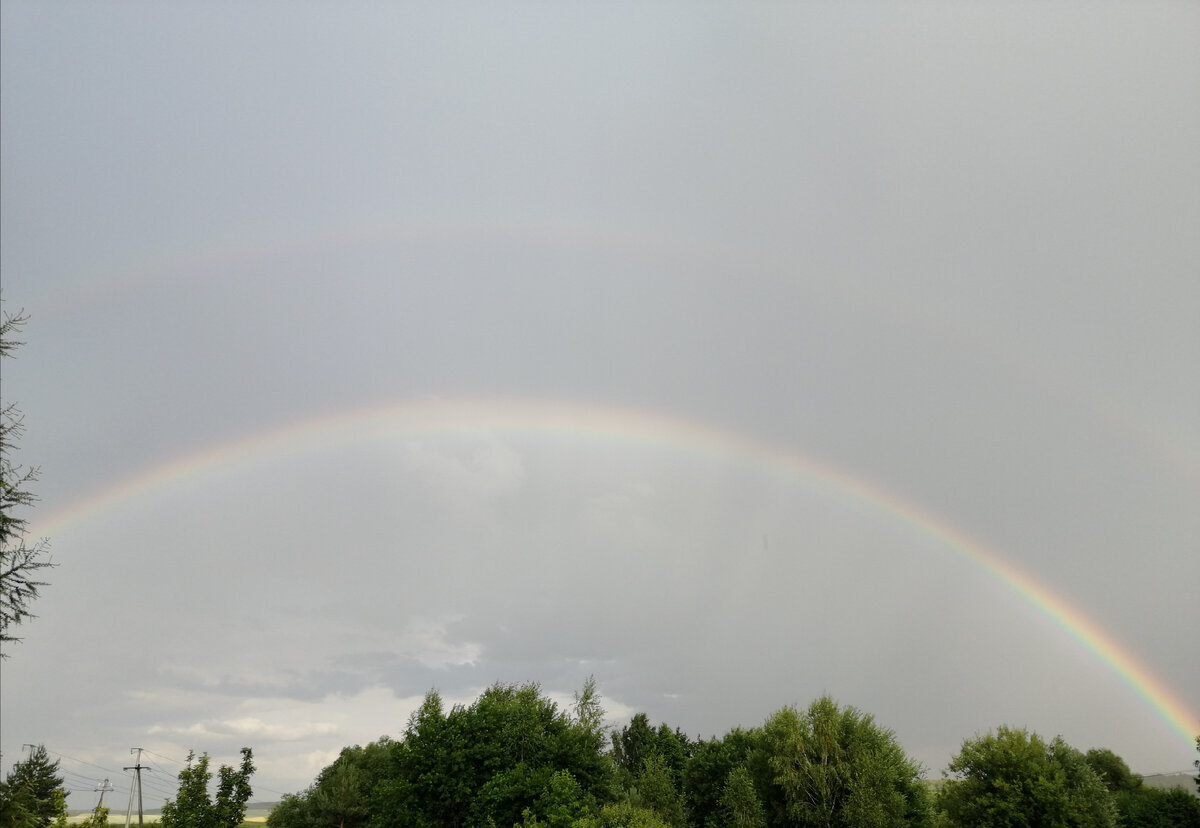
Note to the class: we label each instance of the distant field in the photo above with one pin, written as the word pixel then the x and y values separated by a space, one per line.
pixel 256 815
pixel 153 819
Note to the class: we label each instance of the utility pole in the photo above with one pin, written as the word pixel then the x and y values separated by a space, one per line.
pixel 136 767
pixel 103 788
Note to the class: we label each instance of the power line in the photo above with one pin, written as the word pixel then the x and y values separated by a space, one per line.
pixel 181 764
pixel 80 761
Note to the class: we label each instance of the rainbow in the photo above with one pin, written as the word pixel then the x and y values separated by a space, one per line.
pixel 443 416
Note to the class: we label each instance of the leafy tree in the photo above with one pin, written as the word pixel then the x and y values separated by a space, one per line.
pixel 21 562
pixel 1112 770
pixel 740 806
pixel 588 711
pixel 638 741
pixel 1014 778
pixel 1196 764
pixel 654 789
pixel 834 766
pixel 707 772
pixel 293 811
pixel 33 794
pixel 1149 807
pixel 562 804
pixel 511 757
pixel 633 743
pixel 623 815
pixel 192 807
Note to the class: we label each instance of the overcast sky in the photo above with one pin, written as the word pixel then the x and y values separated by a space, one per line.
pixel 380 347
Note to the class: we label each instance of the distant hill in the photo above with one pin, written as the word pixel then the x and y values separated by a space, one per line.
pixel 1166 781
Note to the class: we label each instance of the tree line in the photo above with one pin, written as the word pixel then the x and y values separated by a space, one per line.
pixel 514 758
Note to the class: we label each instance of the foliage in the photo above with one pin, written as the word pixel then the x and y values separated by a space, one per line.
pixel 638 741
pixel 1196 764
pixel 20 561
pixel 1014 778
pixel 1112 770
pixel 17 808
pixel 512 757
pixel 1139 805
pixel 33 795
pixel 1149 807
pixel 654 789
pixel 708 769
pixel 192 807
pixel 562 804
pixel 740 806
pixel 588 712
pixel 623 815
pixel 834 766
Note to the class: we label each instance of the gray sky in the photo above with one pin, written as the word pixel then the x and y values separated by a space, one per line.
pixel 378 347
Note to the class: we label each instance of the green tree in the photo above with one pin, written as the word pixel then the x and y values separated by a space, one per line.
pixel 340 796
pixel 654 789
pixel 1196 765
pixel 17 808
pixel 33 793
pixel 561 805
pixel 498 761
pixel 623 815
pixel 638 741
pixel 192 806
pixel 707 772
pixel 21 561
pixel 633 743
pixel 1149 807
pixel 588 713
pixel 834 766
pixel 740 806
pixel 1015 778
pixel 293 811
pixel 1112 770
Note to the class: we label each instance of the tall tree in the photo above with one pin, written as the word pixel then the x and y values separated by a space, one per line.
pixel 707 772
pixel 1112 770
pixel 192 806
pixel 1015 778
pixel 513 756
pixel 21 561
pixel 740 806
pixel 834 766
pixel 654 788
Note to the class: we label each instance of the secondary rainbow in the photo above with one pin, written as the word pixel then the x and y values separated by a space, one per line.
pixel 446 416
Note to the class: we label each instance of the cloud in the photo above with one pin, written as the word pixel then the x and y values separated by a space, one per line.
pixel 476 467
pixel 250 728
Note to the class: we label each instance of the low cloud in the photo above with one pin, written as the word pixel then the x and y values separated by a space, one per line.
pixel 252 728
